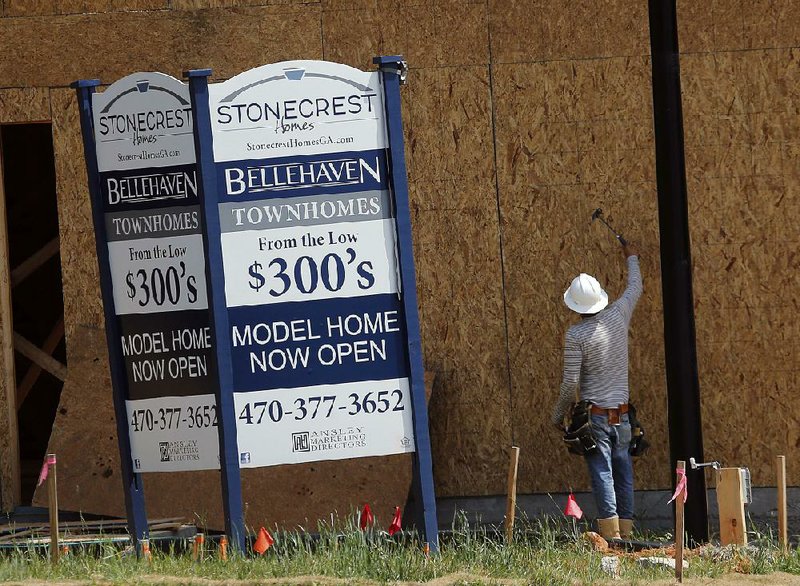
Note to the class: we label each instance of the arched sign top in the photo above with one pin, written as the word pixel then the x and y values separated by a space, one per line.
pixel 142 83
pixel 296 108
pixel 143 120
pixel 297 71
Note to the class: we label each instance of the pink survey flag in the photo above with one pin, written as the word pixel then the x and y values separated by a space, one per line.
pixel 572 509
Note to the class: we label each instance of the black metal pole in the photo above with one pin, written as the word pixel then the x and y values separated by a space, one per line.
pixel 683 388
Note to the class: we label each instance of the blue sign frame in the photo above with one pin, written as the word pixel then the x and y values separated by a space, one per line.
pixel 132 482
pixel 228 450
pixel 393 70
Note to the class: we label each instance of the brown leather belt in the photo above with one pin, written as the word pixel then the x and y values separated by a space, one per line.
pixel 613 414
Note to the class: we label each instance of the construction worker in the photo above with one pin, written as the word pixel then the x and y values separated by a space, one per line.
pixel 596 366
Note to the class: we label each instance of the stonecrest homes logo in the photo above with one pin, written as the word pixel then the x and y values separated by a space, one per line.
pixel 296 113
pixel 145 126
pixel 143 123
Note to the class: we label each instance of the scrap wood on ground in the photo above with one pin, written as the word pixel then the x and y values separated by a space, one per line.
pixel 35 533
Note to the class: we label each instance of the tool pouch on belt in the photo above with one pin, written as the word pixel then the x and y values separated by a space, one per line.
pixel 639 444
pixel 578 437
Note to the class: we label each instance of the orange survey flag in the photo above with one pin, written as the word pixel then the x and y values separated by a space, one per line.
pixel 572 509
pixel 263 542
pixel 366 517
pixel 395 526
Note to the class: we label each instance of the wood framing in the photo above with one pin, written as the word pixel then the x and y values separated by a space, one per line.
pixel 33 372
pixel 33 262
pixel 38 356
pixel 8 393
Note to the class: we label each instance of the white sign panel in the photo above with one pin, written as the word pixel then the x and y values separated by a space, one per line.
pixel 148 178
pixel 296 108
pixel 143 120
pixel 182 426
pixel 318 346
pixel 325 422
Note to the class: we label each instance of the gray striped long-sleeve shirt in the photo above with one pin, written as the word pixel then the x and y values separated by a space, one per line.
pixel 596 352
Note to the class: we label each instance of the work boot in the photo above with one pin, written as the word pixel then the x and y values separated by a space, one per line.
pixel 609 528
pixel 625 528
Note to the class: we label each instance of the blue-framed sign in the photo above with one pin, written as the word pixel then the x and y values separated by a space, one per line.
pixel 310 257
pixel 152 228
pixel 317 335
pixel 260 297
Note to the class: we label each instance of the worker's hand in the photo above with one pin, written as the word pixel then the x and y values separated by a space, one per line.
pixel 559 427
pixel 629 250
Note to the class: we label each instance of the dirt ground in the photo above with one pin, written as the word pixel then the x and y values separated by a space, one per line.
pixel 776 579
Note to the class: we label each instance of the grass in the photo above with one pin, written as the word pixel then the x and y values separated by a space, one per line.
pixel 544 551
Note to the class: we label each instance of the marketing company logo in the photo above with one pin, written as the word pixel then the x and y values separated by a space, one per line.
pixel 179 451
pixel 341 438
pixel 244 458
pixel 301 442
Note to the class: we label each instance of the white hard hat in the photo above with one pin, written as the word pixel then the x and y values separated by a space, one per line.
pixel 585 295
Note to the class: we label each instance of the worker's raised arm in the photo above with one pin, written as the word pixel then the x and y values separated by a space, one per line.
pixel 627 302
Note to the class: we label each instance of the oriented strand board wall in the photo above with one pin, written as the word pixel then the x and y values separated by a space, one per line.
pixel 84 433
pixel 449 144
pixel 510 147
pixel 521 117
pixel 573 122
pixel 740 65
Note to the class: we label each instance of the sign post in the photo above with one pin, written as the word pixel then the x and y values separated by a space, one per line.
pixel 228 452
pixel 394 70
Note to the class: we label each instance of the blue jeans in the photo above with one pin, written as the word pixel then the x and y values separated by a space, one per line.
pixel 611 468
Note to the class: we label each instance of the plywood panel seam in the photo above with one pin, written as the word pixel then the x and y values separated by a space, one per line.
pixel 71 14
pixel 572 59
pixel 500 243
pixel 741 50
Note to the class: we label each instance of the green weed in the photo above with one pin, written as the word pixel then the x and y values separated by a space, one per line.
pixel 544 551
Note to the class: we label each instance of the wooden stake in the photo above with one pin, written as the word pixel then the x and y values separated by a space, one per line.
pixel 679 526
pixel 223 548
pixel 52 495
pixel 511 503
pixel 197 549
pixel 783 529
pixel 732 529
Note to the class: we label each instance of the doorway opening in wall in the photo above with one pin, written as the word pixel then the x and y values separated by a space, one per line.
pixel 37 303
